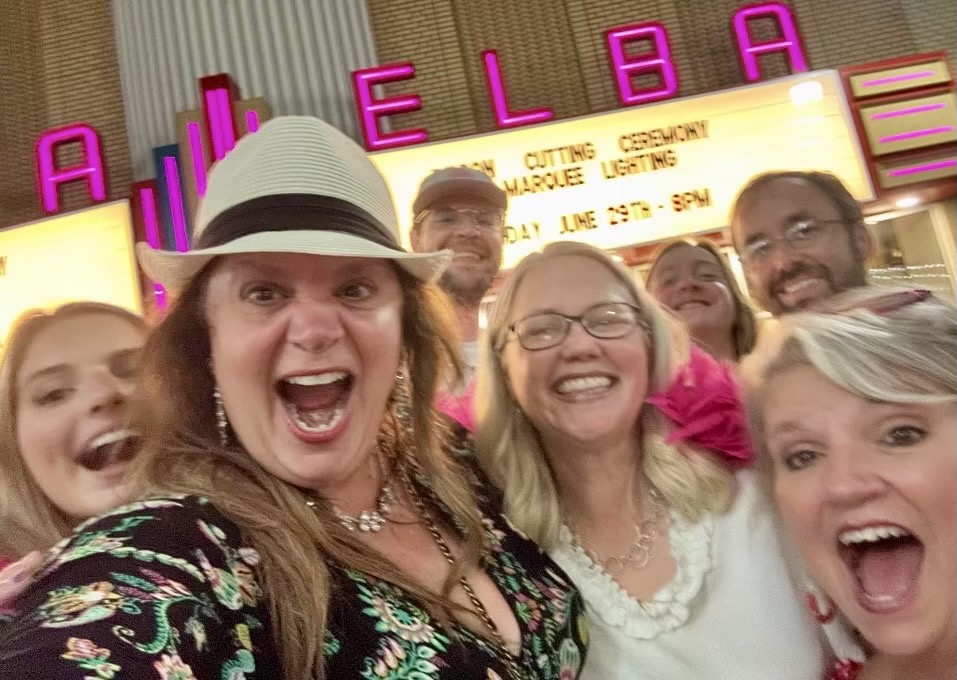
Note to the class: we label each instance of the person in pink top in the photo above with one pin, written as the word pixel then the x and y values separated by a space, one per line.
pixel 462 210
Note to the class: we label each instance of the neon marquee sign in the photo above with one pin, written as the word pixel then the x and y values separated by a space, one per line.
pixel 218 95
pixel 658 63
pixel 217 100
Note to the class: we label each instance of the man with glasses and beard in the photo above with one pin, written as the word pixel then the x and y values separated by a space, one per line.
pixel 801 238
pixel 463 210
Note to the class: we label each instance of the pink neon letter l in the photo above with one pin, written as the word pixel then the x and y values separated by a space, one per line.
pixel 790 43
pixel 49 177
pixel 496 88
pixel 625 67
pixel 371 109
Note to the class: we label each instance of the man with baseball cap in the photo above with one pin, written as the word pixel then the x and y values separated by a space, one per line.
pixel 462 210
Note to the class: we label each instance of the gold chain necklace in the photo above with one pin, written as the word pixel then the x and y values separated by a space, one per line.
pixel 642 548
pixel 501 649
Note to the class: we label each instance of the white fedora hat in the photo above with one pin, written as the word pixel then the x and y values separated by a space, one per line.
pixel 298 185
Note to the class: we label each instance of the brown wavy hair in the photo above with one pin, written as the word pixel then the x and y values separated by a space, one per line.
pixel 182 454
pixel 28 519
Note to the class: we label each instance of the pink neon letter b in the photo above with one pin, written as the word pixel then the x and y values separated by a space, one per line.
pixel 659 62
pixel 790 42
pixel 496 88
pixel 371 109
pixel 50 177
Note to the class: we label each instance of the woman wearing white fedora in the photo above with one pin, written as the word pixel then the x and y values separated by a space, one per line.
pixel 302 516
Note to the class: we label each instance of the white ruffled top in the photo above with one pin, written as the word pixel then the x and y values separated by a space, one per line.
pixel 732 610
pixel 671 606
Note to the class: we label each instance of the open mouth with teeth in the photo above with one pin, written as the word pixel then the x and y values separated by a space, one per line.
pixel 316 403
pixel 692 304
pixel 582 387
pixel 108 449
pixel 885 561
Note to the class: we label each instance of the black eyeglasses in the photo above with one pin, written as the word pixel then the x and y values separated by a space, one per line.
pixel 606 321
pixel 800 236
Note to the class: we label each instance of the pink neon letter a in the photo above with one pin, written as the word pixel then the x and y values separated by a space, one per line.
pixel 371 109
pixel 504 117
pixel 660 62
pixel 790 42
pixel 50 177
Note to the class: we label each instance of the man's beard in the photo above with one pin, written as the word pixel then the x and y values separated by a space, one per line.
pixel 801 269
pixel 466 294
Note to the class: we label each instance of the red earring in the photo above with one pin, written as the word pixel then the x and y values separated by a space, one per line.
pixel 814 605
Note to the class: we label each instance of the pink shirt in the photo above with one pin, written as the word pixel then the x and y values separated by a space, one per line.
pixel 458 406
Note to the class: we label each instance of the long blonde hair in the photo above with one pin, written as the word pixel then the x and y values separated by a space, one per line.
pixel 744 330
pixel 509 447
pixel 28 519
pixel 181 454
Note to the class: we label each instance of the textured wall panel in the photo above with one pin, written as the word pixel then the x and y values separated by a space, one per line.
pixel 21 109
pixel 296 53
pixel 57 66
pixel 553 52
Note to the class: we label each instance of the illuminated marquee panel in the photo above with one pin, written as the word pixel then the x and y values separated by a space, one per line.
pixel 640 175
pixel 82 255
pixel 906 112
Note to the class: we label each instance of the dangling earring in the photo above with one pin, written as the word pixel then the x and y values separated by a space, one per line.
pixel 401 399
pixel 814 597
pixel 221 423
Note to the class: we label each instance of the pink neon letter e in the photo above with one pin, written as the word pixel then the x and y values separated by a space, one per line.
pixel 49 177
pixel 496 88
pixel 371 109
pixel 659 62
pixel 790 42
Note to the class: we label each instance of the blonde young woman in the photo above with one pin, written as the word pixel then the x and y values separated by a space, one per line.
pixel 304 518
pixel 65 386
pixel 693 279
pixel 680 567
pixel 854 406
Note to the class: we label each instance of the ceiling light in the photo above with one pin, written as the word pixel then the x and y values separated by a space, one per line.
pixel 907 202
pixel 806 93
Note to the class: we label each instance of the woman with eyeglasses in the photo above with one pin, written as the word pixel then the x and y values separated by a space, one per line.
pixel 693 280
pixel 854 405
pixel 619 450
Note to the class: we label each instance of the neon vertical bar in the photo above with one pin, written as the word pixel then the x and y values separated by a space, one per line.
pixel 220 120
pixel 177 213
pixel 151 227
pixel 252 121
pixel 199 160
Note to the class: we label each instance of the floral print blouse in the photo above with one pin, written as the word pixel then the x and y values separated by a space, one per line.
pixel 167 589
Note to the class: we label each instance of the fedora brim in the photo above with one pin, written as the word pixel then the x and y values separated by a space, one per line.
pixel 174 270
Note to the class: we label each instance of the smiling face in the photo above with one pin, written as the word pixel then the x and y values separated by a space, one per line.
pixel 867 492
pixel 73 393
pixel 584 389
pixel 791 279
pixel 477 248
pixel 691 283
pixel 305 353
